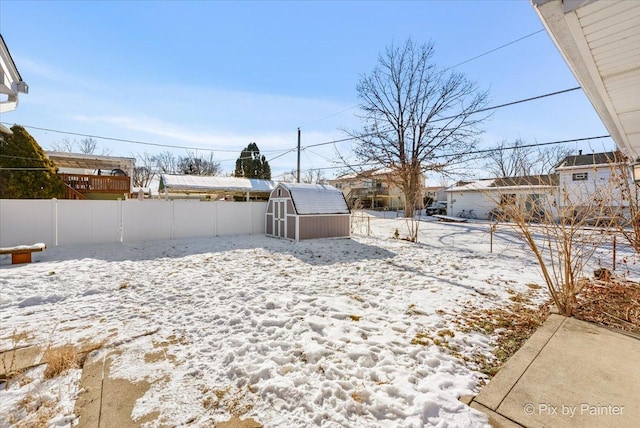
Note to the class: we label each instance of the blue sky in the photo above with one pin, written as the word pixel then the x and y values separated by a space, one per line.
pixel 219 75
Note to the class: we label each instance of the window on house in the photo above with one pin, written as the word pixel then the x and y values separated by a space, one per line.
pixel 580 176
pixel 508 199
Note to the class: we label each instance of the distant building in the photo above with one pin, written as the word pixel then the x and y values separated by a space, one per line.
pixel 89 176
pixel 586 177
pixel 481 197
pixel 436 193
pixel 579 180
pixel 374 189
pixel 211 188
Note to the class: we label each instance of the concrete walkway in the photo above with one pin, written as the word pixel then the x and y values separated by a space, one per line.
pixel 107 402
pixel 570 373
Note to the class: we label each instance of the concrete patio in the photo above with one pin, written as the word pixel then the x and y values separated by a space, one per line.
pixel 570 373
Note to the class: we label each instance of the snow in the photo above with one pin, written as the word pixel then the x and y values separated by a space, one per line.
pixel 316 198
pixel 306 333
pixel 35 247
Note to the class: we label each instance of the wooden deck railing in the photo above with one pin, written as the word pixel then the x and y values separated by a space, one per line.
pixel 97 183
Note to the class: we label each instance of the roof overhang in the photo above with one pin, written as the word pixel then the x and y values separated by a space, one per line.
pixel 600 41
pixel 83 161
pixel 11 84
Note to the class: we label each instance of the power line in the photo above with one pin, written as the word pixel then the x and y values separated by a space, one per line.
pixel 477 152
pixel 512 103
pixel 442 71
pixel 124 140
pixel 452 117
pixel 286 152
pixel 495 49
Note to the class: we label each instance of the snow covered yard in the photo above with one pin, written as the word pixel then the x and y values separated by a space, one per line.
pixel 322 332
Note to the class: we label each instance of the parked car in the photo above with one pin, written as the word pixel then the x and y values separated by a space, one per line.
pixel 439 207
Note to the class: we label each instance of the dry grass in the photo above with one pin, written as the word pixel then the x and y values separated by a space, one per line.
pixel 62 358
pixel 509 327
pixel 59 360
pixel 614 303
pixel 38 409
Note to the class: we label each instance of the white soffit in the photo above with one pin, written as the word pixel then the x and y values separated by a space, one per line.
pixel 600 41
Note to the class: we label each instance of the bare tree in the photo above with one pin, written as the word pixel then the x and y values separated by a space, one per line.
pixel 314 176
pixel 309 176
pixel 627 219
pixel 192 164
pixel 509 160
pixel 548 158
pixel 88 145
pixel 519 159
pixel 416 117
pixel 144 172
pixel 165 162
pixel 64 145
pixel 562 243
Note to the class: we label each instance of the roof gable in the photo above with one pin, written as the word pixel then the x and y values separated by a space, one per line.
pixel 316 198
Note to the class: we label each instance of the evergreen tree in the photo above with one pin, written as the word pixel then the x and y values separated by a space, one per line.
pixel 251 164
pixel 25 171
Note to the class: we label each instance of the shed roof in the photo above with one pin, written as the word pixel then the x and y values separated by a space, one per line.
pixel 316 198
pixel 208 183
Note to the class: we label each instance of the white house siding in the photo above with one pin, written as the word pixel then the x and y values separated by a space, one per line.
pixel 483 201
pixel 478 201
pixel 581 192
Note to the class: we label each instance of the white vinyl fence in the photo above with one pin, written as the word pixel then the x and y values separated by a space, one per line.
pixel 71 222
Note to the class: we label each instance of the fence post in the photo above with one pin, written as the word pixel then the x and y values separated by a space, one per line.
pixel 614 253
pixel 120 221
pixel 491 229
pixel 172 219
pixel 368 226
pixel 54 202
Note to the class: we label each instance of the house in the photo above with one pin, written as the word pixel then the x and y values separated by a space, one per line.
pixel 306 211
pixel 88 176
pixel 207 188
pixel 373 189
pixel 481 197
pixel 585 178
pixel 578 181
pixel 11 83
pixel 600 42
pixel 436 193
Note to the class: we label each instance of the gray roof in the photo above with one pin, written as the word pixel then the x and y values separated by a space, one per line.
pixel 208 183
pixel 316 198
pixel 591 159
pixel 529 180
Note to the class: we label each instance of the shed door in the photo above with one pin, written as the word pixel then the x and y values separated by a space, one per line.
pixel 279 217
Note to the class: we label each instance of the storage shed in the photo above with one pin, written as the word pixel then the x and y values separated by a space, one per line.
pixel 306 211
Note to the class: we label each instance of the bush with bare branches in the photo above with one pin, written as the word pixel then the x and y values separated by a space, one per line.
pixel 562 241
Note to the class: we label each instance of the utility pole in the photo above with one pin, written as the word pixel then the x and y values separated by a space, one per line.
pixel 298 175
